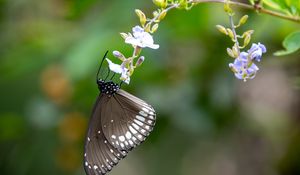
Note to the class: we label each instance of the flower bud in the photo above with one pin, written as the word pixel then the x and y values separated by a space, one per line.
pixel 248 32
pixel 222 29
pixel 154 28
pixel 230 53
pixel 160 3
pixel 141 16
pixel 230 33
pixel 147 27
pixel 124 35
pixel 247 40
pixel 227 8
pixel 235 51
pixel 162 15
pixel 139 61
pixel 155 13
pixel 243 20
pixel 183 4
pixel 119 55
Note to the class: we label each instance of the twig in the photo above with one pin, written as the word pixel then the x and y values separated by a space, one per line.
pixel 248 6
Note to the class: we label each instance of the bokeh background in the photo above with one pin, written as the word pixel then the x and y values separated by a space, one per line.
pixel 208 122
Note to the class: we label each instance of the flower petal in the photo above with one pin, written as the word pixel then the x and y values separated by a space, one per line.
pixel 114 67
pixel 141 38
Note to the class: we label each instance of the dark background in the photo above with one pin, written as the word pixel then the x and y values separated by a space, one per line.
pixel 208 122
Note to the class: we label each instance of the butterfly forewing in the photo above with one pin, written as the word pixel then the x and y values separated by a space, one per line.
pixel 129 122
pixel 99 156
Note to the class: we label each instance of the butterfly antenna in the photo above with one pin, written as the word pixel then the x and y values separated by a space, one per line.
pixel 107 74
pixel 97 77
pixel 112 76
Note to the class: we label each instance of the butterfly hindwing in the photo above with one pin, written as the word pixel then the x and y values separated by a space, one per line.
pixel 129 122
pixel 99 156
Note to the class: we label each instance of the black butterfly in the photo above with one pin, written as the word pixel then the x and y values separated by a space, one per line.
pixel 119 122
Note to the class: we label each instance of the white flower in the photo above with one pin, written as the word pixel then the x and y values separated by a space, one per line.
pixel 141 38
pixel 119 69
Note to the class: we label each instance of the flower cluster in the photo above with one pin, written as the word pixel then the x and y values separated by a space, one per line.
pixel 141 37
pixel 138 39
pixel 243 66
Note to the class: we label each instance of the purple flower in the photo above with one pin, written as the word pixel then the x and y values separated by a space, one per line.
pixel 140 38
pixel 119 69
pixel 243 68
pixel 256 51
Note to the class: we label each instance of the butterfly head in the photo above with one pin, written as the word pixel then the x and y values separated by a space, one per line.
pixel 108 87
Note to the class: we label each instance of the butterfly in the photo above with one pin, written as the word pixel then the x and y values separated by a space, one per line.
pixel 120 121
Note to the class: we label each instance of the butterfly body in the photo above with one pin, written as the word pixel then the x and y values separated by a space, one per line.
pixel 120 122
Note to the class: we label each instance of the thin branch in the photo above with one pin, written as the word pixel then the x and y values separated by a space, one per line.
pixel 248 6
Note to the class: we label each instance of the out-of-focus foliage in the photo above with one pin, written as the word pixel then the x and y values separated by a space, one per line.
pixel 291 7
pixel 208 122
pixel 291 43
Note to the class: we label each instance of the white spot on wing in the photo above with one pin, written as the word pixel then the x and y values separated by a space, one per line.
pixel 122 138
pixel 95 167
pixel 128 135
pixel 113 136
pixel 135 126
pixel 151 117
pixel 140 118
pixel 86 163
pixel 130 142
pixel 138 122
pixel 143 113
pixel 146 110
pixel 132 130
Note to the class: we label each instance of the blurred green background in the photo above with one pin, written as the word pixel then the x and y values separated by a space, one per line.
pixel 208 122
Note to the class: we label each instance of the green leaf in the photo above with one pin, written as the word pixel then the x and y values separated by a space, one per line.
pixel 291 44
pixel 275 4
pixel 290 7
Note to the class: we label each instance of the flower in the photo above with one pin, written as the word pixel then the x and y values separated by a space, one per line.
pixel 256 51
pixel 243 68
pixel 140 38
pixel 119 69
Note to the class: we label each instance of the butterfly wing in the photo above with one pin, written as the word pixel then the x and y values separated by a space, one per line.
pixel 99 156
pixel 130 121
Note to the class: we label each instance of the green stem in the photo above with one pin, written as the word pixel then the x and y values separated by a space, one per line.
pixel 234 34
pixel 250 7
pixel 165 10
